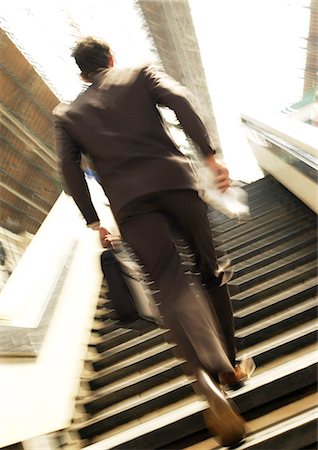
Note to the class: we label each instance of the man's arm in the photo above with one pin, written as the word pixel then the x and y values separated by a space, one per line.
pixel 69 154
pixel 165 91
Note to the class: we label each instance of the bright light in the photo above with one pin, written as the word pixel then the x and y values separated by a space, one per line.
pixel 252 59
pixel 46 32
pixel 250 51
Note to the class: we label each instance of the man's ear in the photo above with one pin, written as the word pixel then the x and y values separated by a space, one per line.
pixel 111 61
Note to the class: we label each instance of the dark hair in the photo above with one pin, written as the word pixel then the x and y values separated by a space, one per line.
pixel 91 54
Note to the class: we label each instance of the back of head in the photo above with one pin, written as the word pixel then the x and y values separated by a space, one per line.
pixel 91 54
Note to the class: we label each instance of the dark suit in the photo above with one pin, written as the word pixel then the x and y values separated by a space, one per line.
pixel 150 184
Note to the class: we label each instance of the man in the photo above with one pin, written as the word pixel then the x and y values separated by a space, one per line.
pixel 150 185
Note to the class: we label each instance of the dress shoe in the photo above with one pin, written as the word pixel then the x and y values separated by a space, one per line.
pixel 222 418
pixel 242 372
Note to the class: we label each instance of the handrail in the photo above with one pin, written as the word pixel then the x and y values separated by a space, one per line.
pixel 290 148
pixel 287 149
pixel 283 128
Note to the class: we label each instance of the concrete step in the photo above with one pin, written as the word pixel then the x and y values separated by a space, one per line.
pixel 157 354
pixel 277 323
pixel 284 343
pixel 274 303
pixel 283 430
pixel 266 221
pixel 277 284
pixel 134 385
pixel 268 233
pixel 163 427
pixel 247 250
pixel 135 345
pixel 275 253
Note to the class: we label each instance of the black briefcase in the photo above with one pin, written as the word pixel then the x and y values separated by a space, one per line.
pixel 119 293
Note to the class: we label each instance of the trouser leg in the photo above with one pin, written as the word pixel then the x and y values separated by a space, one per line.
pixel 221 302
pixel 183 305
pixel 188 212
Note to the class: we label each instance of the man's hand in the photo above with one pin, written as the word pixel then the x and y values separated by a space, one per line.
pixel 103 236
pixel 221 173
pixel 109 240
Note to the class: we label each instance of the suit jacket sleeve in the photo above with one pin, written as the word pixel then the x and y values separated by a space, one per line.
pixel 165 91
pixel 69 155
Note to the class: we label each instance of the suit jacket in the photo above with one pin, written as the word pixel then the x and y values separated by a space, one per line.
pixel 117 124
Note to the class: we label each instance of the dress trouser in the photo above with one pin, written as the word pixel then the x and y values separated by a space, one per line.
pixel 200 318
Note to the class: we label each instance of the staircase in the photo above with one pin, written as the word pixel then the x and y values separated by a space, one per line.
pixel 134 394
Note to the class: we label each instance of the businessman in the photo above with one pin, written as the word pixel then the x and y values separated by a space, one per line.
pixel 150 185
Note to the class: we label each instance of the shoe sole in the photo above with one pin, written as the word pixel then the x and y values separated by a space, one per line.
pixel 222 418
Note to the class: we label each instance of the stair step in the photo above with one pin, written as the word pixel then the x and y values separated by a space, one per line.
pixel 282 344
pixel 108 314
pixel 106 326
pixel 202 440
pixel 265 258
pixel 114 341
pixel 268 221
pixel 277 284
pixel 276 323
pixel 143 342
pixel 266 243
pixel 277 382
pixel 280 267
pixel 168 393
pixel 275 303
pixel 258 212
pixel 143 360
pixel 183 420
pixel 117 331
pixel 152 428
pixel 291 434
pixel 133 386
pixel 139 324
pixel 254 236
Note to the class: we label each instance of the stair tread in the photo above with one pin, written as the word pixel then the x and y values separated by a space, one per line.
pixel 256 425
pixel 197 404
pixel 131 360
pixel 167 415
pixel 118 386
pixel 275 341
pixel 261 233
pixel 265 243
pixel 282 264
pixel 131 343
pixel 277 251
pixel 277 297
pixel 258 224
pixel 279 317
pixel 278 430
pixel 127 406
pixel 277 280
